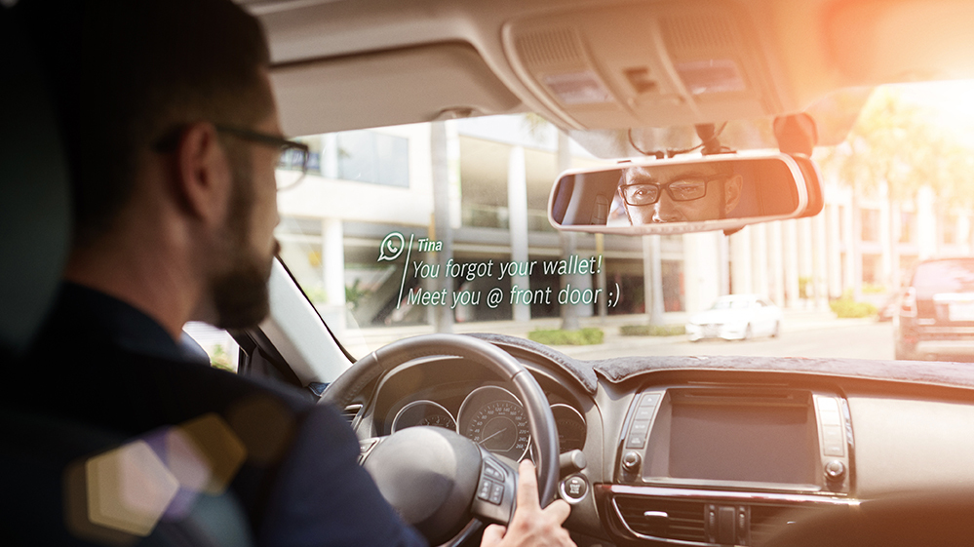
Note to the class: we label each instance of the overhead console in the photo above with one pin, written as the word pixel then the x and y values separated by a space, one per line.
pixel 658 64
pixel 716 465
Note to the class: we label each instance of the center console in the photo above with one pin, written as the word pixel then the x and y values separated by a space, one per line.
pixel 720 465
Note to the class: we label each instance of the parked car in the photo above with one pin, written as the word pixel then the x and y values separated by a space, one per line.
pixel 736 317
pixel 935 316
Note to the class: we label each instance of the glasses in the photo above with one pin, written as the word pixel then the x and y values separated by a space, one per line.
pixel 293 155
pixel 648 193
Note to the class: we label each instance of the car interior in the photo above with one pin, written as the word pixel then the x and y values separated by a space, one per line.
pixel 647 450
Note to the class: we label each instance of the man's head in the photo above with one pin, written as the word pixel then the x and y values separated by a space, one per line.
pixel 175 107
pixel 675 193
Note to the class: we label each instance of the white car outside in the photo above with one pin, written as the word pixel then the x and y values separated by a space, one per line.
pixel 736 317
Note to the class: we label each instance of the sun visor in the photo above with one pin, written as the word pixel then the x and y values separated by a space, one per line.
pixel 388 88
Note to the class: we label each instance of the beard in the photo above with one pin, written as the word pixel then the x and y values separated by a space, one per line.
pixel 240 295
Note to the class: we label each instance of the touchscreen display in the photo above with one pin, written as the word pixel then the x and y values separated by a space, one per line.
pixel 773 443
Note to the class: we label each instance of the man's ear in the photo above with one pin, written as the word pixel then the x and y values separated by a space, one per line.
pixel 732 192
pixel 203 173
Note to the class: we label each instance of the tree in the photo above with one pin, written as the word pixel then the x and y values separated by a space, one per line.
pixel 569 246
pixel 895 144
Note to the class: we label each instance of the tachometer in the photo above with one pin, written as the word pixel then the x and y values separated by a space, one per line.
pixel 493 418
pixel 423 413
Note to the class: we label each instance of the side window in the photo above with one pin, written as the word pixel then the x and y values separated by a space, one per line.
pixel 370 156
pixel 218 344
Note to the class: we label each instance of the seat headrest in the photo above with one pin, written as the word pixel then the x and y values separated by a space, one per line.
pixel 34 188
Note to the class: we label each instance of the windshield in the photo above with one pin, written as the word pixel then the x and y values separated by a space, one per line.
pixel 442 227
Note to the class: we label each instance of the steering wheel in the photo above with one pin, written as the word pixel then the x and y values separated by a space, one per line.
pixel 442 483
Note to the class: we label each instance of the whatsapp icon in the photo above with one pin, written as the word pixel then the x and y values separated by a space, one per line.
pixel 391 246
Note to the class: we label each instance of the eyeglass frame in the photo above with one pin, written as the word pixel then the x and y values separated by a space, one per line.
pixel 168 142
pixel 660 186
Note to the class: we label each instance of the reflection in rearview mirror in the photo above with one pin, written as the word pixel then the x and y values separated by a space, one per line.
pixel 686 194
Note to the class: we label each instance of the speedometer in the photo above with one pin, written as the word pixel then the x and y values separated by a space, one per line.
pixel 493 418
pixel 502 428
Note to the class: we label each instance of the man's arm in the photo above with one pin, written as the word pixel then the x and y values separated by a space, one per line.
pixel 321 496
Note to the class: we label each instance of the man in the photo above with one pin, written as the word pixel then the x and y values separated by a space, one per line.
pixel 172 128
pixel 676 193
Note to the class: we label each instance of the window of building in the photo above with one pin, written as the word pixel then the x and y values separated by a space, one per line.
pixel 869 224
pixel 369 156
pixel 908 226
pixel 871 265
pixel 950 229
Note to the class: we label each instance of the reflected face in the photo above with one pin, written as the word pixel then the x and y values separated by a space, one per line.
pixel 677 193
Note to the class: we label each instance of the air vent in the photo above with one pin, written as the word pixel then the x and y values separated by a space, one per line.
pixel 663 518
pixel 549 48
pixel 685 520
pixel 768 520
pixel 351 412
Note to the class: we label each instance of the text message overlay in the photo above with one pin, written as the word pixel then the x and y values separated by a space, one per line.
pixel 510 279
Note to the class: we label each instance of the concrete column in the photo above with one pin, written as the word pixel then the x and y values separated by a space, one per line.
pixel 701 269
pixel 742 262
pixel 821 259
pixel 333 271
pixel 926 224
pixel 895 229
pixel 790 251
pixel 602 282
pixel 723 264
pixel 806 260
pixel 849 238
pixel 517 207
pixel 453 172
pixel 653 279
pixel 777 263
pixel 886 238
pixel 759 248
pixel 439 157
pixel 835 262
pixel 329 156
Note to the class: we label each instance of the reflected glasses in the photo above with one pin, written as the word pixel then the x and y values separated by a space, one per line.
pixel 293 155
pixel 648 193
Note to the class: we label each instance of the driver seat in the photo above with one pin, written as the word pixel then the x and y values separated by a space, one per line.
pixel 37 450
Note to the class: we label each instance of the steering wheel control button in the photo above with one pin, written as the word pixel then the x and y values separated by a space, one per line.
pixel 835 470
pixel 496 494
pixel 365 447
pixel 486 487
pixel 493 472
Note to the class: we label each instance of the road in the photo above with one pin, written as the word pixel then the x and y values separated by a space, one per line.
pixel 839 338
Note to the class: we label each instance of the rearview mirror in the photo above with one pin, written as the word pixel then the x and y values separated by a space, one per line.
pixel 679 195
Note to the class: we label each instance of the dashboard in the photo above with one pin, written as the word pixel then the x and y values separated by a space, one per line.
pixel 467 399
pixel 683 451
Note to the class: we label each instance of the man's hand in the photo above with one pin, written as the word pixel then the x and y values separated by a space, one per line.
pixel 531 525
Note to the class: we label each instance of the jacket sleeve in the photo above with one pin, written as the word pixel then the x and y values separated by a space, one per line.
pixel 322 497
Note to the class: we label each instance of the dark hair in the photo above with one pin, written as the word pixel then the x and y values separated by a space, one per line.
pixel 149 67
